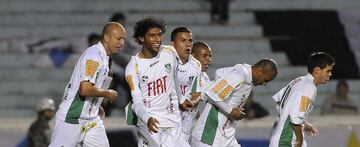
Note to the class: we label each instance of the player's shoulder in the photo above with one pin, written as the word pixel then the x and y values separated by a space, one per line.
pixel 305 85
pixel 309 85
pixel 236 72
pixel 92 52
pixel 91 55
pixel 169 51
pixel 240 69
pixel 132 62
pixel 195 62
pixel 132 65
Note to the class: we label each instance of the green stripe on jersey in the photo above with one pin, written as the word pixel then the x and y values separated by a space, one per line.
pixel 75 109
pixel 194 86
pixel 211 125
pixel 131 116
pixel 286 134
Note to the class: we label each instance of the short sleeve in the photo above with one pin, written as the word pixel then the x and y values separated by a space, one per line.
pixel 89 68
pixel 223 86
pixel 302 101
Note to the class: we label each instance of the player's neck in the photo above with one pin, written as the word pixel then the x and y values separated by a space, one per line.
pixel 316 80
pixel 145 53
pixel 107 50
pixel 184 60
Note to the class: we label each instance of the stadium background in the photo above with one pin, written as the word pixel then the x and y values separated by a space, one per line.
pixel 285 30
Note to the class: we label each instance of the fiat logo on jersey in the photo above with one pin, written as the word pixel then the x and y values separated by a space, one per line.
pixel 168 67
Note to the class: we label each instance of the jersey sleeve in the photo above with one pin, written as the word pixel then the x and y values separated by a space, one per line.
pixel 301 104
pixel 132 78
pixel 223 86
pixel 89 68
pixel 219 73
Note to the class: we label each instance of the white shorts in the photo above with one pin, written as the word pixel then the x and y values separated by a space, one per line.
pixel 185 138
pixel 90 134
pixel 229 143
pixel 275 143
pixel 166 137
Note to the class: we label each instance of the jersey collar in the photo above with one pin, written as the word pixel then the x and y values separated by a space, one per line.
pixel 247 69
pixel 102 51
pixel 310 77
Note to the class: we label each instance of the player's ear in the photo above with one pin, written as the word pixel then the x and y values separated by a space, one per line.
pixel 257 71
pixel 141 39
pixel 106 38
pixel 316 70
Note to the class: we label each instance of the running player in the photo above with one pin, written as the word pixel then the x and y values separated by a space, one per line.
pixel 226 98
pixel 152 78
pixel 77 121
pixel 296 100
pixel 189 72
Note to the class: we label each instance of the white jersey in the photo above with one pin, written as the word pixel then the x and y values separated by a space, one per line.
pixel 153 83
pixel 189 76
pixel 205 81
pixel 189 79
pixel 233 86
pixel 294 103
pixel 93 66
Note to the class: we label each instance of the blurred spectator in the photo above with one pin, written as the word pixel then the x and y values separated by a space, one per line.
pixel 118 17
pixel 39 134
pixel 339 103
pixel 93 38
pixel 129 50
pixel 254 109
pixel 219 11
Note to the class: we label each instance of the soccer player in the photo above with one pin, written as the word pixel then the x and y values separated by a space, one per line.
pixel 202 52
pixel 152 78
pixel 77 121
pixel 296 100
pixel 189 71
pixel 216 125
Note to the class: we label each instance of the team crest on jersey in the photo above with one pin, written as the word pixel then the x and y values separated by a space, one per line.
pixel 144 78
pixel 168 67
